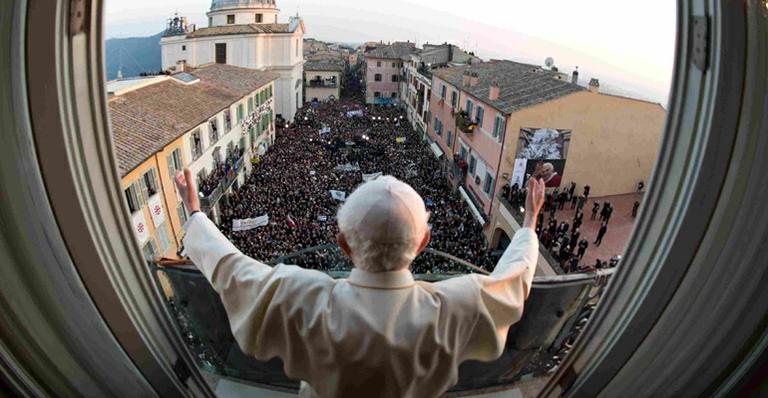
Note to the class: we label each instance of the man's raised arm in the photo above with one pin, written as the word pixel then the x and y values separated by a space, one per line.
pixel 251 291
pixel 502 294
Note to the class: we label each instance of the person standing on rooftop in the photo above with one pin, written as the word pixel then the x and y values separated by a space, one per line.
pixel 378 332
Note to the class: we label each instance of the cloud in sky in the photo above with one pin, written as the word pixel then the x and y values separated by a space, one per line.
pixel 629 46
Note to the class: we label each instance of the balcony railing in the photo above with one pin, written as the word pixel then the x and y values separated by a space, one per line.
pixel 464 122
pixel 535 345
pixel 426 72
pixel 207 202
pixel 322 83
pixel 458 169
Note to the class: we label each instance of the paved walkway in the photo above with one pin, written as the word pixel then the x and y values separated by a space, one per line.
pixel 619 227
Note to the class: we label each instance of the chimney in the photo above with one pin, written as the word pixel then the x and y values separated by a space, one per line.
pixel 465 78
pixel 594 85
pixel 473 79
pixel 494 91
pixel 575 78
pixel 181 65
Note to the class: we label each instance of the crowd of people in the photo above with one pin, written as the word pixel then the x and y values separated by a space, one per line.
pixel 563 239
pixel 325 149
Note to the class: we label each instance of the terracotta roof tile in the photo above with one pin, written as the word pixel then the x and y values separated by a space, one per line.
pixel 147 119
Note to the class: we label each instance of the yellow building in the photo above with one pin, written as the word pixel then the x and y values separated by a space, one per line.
pixel 322 80
pixel 168 123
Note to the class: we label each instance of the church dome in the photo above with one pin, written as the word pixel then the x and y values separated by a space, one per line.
pixel 217 5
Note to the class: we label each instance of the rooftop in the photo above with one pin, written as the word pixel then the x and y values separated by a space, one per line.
pixel 522 85
pixel 322 65
pixel 147 119
pixel 250 29
pixel 120 86
pixel 395 50
pixel 226 4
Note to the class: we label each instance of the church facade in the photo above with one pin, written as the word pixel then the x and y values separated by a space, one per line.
pixel 243 33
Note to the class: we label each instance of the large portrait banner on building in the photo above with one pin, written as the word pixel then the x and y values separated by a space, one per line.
pixel 541 153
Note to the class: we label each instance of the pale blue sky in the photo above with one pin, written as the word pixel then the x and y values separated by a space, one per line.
pixel 628 45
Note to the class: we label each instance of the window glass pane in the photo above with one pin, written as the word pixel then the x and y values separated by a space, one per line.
pixel 149 250
pixel 182 212
pixel 163 238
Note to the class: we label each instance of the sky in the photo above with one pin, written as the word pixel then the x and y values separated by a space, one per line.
pixel 628 45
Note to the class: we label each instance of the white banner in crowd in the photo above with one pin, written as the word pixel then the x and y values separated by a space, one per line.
pixel 347 167
pixel 325 130
pixel 358 113
pixel 322 218
pixel 518 172
pixel 140 227
pixel 246 224
pixel 158 215
pixel 338 195
pixel 372 176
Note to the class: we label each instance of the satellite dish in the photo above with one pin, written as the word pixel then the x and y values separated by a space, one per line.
pixel 549 62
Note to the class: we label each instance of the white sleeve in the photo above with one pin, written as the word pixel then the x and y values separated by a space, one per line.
pixel 501 296
pixel 265 305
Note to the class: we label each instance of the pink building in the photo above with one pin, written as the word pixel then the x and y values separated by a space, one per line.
pixel 469 110
pixel 383 71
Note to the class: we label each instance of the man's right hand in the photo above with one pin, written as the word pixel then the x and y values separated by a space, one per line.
pixel 187 190
pixel 533 202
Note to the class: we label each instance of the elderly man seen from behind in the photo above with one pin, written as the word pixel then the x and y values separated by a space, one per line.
pixel 377 333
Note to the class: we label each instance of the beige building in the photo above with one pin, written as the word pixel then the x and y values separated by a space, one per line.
pixel 322 80
pixel 194 120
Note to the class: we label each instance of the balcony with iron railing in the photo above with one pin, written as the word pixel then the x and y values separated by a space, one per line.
pixel 556 312
pixel 426 72
pixel 207 202
pixel 322 83
pixel 458 169
pixel 464 123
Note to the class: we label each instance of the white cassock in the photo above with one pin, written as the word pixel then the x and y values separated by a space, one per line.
pixel 372 334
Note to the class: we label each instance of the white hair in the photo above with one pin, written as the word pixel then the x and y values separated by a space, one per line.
pixel 379 257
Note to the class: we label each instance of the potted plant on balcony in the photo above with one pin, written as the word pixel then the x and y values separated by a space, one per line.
pixel 464 123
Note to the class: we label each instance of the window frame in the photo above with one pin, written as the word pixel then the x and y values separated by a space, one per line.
pixel 232 20
pixel 658 273
pixel 488 183
pixel 213 130
pixel 479 115
pixel 149 184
